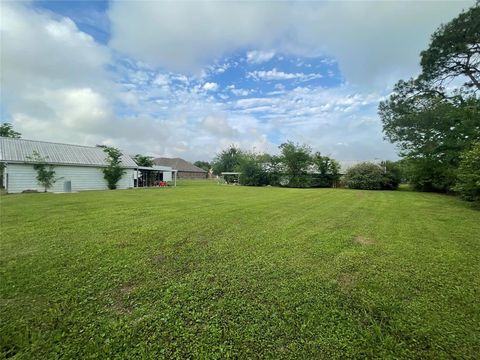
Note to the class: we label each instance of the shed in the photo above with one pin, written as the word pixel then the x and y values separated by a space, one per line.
pixel 76 167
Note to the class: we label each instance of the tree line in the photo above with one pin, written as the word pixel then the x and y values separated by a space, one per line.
pixel 299 167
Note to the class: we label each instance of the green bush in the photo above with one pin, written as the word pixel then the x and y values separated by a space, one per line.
pixel 392 175
pixel 252 172
pixel 369 176
pixel 468 175
pixel 365 176
pixel 114 170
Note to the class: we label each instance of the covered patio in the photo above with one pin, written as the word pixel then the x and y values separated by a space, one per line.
pixel 155 176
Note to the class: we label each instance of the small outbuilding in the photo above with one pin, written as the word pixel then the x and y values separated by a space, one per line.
pixel 76 167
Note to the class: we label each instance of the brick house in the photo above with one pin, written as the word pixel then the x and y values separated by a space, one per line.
pixel 185 169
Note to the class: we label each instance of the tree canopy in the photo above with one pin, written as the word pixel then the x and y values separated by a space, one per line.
pixel 454 51
pixel 6 130
pixel 430 120
pixel 143 160
pixel 227 160
pixel 205 165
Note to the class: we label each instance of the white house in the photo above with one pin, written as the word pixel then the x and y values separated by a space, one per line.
pixel 76 167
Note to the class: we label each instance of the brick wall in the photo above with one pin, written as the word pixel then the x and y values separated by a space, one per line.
pixel 191 175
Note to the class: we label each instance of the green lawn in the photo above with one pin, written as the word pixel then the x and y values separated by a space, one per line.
pixel 216 271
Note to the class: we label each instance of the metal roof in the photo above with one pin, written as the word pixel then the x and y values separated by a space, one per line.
pixel 18 151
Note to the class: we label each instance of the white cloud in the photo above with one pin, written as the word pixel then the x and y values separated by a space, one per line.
pixel 274 74
pixel 53 77
pixel 188 35
pixel 55 86
pixel 258 56
pixel 210 86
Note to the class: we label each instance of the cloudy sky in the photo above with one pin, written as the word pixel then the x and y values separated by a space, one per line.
pixel 190 78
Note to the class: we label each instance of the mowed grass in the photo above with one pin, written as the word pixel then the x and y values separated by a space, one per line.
pixel 212 271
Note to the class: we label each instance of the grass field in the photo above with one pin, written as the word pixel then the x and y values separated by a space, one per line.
pixel 215 271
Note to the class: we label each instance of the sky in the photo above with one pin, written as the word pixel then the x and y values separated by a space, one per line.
pixel 190 78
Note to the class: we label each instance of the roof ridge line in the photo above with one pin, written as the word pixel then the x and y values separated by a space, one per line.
pixel 52 142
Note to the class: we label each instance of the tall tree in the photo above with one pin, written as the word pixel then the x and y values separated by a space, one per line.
pixel 454 51
pixel 227 160
pixel 143 160
pixel 431 123
pixel 296 159
pixel 327 170
pixel 6 130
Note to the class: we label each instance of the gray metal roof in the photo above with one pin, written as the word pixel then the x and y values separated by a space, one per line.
pixel 18 151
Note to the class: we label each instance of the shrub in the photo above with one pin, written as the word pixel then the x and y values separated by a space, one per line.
pixel 367 176
pixel 468 175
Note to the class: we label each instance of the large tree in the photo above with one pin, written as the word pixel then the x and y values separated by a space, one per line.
pixel 431 120
pixel 296 160
pixel 227 160
pixel 454 51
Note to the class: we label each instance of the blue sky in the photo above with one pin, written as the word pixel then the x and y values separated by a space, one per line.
pixel 190 78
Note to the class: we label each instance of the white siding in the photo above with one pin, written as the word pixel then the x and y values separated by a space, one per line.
pixel 167 176
pixel 23 177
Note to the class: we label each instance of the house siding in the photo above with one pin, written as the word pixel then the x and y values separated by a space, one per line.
pixel 23 177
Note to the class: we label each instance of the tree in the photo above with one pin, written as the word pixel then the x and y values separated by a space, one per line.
pixel 454 51
pixel 253 168
pixel 296 160
pixel 205 165
pixel 45 172
pixel 143 160
pixel 227 160
pixel 114 170
pixel 6 130
pixel 327 171
pixel 468 185
pixel 431 124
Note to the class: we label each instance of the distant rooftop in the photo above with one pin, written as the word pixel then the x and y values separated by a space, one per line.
pixel 179 164
pixel 18 151
pixel 347 164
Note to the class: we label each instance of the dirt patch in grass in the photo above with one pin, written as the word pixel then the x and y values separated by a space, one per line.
pixel 202 240
pixel 362 240
pixel 159 259
pixel 347 281
pixel 124 244
pixel 120 305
